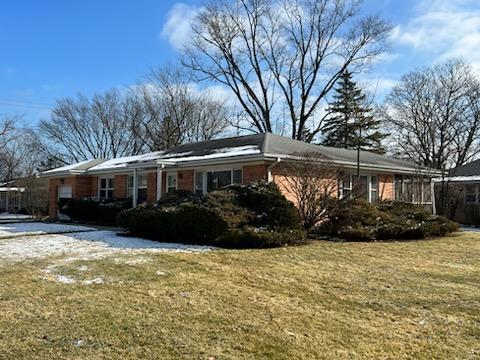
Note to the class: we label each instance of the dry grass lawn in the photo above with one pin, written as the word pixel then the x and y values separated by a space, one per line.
pixel 403 300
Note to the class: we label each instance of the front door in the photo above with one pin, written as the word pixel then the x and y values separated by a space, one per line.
pixel 64 192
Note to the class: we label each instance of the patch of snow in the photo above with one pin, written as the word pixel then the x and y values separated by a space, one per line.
pixel 67 167
pixel 458 178
pixel 98 280
pixel 64 279
pixel 469 228
pixel 85 246
pixel 37 228
pixel 161 273
pixel 224 152
pixel 10 216
pixel 124 161
pixel 78 342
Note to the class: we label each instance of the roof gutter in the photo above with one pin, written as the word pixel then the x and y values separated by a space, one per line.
pixel 270 167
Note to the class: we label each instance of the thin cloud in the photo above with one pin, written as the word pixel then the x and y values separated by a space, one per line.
pixel 177 28
pixel 443 29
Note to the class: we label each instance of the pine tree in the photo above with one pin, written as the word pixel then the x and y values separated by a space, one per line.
pixel 351 124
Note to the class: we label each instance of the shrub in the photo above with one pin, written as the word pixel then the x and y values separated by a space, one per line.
pixel 197 224
pixel 188 223
pixel 358 220
pixel 87 210
pixel 255 215
pixel 225 203
pixel 176 198
pixel 270 208
pixel 249 237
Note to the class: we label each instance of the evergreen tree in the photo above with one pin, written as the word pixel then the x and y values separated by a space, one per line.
pixel 351 124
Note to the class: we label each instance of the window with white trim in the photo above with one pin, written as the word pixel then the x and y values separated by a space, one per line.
pixel 471 194
pixel 198 183
pixel 106 188
pixel 365 187
pixel 142 187
pixel 220 179
pixel 171 182
pixel 373 188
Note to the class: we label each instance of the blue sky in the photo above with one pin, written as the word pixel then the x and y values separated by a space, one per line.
pixel 57 48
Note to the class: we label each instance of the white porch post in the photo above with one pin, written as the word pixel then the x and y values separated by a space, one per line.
pixel 434 205
pixel 7 203
pixel 135 188
pixel 159 181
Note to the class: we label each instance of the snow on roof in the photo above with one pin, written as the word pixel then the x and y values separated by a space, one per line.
pixel 123 161
pixel 458 179
pixel 175 157
pixel 223 152
pixel 68 167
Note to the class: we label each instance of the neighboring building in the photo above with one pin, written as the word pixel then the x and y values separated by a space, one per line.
pixel 10 197
pixel 27 193
pixel 460 191
pixel 205 166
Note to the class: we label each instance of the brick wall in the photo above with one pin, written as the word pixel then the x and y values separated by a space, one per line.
pixel 151 187
pixel 82 186
pixel 53 185
pixel 85 186
pixel 185 179
pixel 386 187
pixel 285 180
pixel 120 191
pixel 253 173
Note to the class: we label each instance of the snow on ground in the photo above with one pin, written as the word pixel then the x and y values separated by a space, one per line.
pixel 469 228
pixel 29 241
pixel 10 216
pixel 77 245
pixel 37 228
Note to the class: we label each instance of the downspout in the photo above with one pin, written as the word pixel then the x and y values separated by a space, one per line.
pixel 269 169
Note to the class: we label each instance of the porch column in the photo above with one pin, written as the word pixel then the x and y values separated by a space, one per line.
pixel 434 205
pixel 135 188
pixel 159 181
pixel 7 203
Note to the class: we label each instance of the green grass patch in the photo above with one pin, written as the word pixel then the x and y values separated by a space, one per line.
pixel 327 300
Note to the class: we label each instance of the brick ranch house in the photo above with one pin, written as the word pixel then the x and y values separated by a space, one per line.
pixel 209 165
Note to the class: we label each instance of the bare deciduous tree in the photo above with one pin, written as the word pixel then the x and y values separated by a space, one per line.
pixel 82 128
pixel 281 53
pixel 313 187
pixel 173 112
pixel 14 155
pixel 435 115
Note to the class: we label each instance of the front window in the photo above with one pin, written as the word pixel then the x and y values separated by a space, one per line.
pixel 199 183
pixel 373 188
pixel 142 187
pixel 220 179
pixel 470 194
pixel 413 189
pixel 364 187
pixel 106 188
pixel 171 182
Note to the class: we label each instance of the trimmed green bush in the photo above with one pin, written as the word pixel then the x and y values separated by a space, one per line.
pixel 270 208
pixel 176 198
pixel 249 237
pixel 251 216
pixel 358 220
pixel 93 211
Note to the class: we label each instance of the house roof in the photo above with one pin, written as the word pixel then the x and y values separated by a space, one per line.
pixel 251 147
pixel 467 172
pixel 470 169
